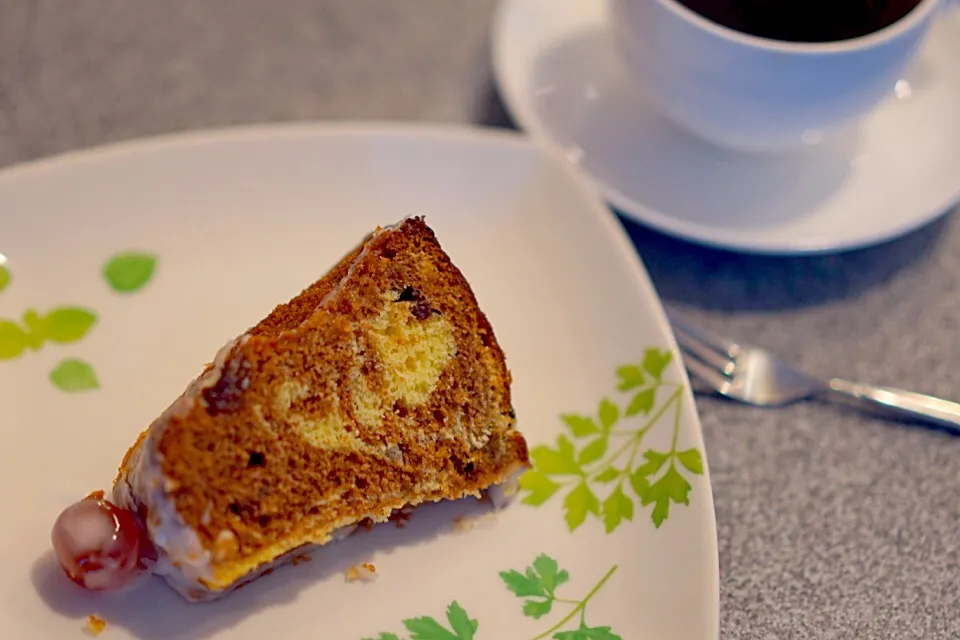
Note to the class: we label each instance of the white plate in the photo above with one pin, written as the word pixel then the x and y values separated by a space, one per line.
pixel 899 169
pixel 242 220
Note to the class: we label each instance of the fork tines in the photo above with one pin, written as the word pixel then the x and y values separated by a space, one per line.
pixel 707 356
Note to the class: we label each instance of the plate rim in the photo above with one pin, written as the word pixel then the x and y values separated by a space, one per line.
pixel 460 133
pixel 522 114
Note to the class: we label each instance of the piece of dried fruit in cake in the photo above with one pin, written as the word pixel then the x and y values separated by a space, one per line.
pixel 379 387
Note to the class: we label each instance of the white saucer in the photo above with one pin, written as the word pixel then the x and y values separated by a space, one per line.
pixel 898 170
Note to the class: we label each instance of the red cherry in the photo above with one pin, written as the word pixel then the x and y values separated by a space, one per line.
pixel 100 546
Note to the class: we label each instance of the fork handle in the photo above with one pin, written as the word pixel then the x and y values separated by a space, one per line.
pixel 905 403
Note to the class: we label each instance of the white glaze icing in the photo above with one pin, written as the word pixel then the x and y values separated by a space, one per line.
pixel 182 560
pixel 198 592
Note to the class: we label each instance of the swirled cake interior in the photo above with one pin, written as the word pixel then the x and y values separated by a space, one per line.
pixel 380 386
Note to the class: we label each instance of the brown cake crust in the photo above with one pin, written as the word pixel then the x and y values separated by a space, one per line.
pixel 280 449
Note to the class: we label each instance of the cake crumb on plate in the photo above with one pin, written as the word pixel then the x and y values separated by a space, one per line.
pixel 467 523
pixel 95 625
pixel 463 523
pixel 364 572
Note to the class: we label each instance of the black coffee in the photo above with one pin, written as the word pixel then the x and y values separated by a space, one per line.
pixel 804 20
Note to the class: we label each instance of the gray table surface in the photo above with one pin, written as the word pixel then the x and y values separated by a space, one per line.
pixel 831 525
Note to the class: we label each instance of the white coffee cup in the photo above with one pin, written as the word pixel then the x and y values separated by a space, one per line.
pixel 756 94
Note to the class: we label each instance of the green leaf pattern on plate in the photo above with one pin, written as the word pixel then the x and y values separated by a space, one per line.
pixel 605 468
pixel 129 272
pixel 537 586
pixel 13 340
pixel 124 272
pixel 73 375
pixel 61 325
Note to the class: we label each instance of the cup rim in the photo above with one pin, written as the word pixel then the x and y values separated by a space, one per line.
pixel 868 41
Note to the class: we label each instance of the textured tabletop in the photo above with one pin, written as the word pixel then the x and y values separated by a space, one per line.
pixel 831 524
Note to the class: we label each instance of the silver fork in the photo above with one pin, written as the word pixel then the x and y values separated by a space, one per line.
pixel 755 376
